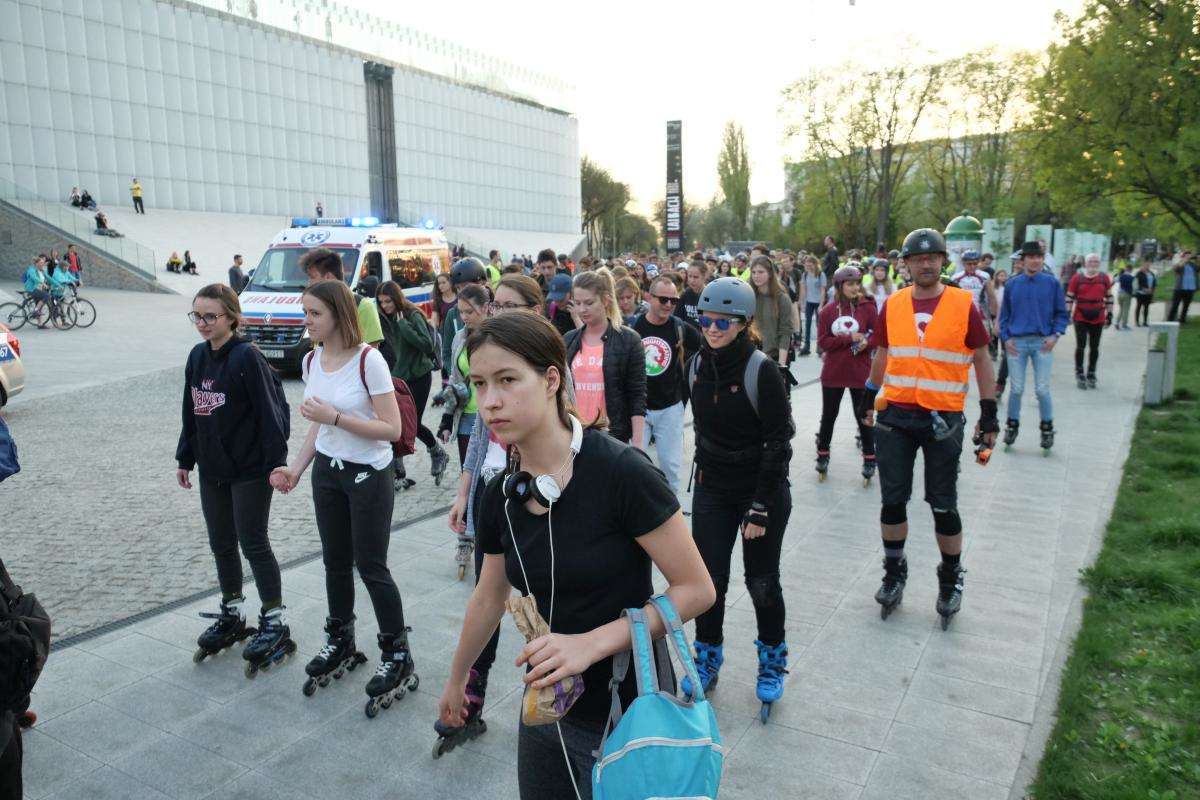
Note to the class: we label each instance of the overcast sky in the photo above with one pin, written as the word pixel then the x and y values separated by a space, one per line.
pixel 636 65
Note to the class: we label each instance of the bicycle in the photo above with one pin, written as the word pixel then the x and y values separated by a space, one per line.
pixel 41 313
pixel 85 311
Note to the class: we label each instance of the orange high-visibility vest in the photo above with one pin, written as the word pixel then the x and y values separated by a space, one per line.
pixel 933 373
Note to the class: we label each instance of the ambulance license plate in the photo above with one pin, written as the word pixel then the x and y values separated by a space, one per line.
pixel 272 353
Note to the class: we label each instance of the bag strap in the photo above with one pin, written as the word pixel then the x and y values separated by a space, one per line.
pixel 643 661
pixel 750 378
pixel 308 362
pixel 677 642
pixel 362 368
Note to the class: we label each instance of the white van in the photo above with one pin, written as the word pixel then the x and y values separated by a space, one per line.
pixel 412 257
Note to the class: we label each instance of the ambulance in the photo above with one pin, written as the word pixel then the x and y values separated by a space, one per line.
pixel 274 317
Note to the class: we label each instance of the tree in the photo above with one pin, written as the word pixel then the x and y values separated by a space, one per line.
pixel 733 174
pixel 602 199
pixel 1116 109
pixel 692 217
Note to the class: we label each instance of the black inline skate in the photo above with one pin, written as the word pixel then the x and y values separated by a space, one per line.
pixel 891 591
pixel 335 659
pixel 439 459
pixel 822 465
pixel 270 645
pixel 1080 381
pixel 1047 429
pixel 400 479
pixel 1091 381
pixel 950 591
pixel 868 469
pixel 451 737
pixel 395 675
pixel 229 629
pixel 1010 433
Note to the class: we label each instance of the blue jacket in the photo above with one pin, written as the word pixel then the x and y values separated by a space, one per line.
pixel 1033 306
pixel 34 278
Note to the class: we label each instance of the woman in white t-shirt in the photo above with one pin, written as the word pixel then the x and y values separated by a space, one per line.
pixel 349 399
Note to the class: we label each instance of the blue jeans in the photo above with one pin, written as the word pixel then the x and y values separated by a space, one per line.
pixel 666 426
pixel 1030 347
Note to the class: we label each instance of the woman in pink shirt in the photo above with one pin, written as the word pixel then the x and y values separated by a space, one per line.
pixel 606 359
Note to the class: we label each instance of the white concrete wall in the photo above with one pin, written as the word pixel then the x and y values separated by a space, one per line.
pixel 219 115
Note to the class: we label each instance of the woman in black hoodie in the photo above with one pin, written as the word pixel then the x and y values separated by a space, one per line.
pixel 236 424
pixel 743 423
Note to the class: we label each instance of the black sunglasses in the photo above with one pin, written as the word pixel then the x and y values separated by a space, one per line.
pixel 666 301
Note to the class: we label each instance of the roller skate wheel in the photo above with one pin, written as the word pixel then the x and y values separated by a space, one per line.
pixel 309 688
pixel 884 611
pixel 866 482
pixel 386 702
pixel 945 623
pixel 199 655
pixel 1007 448
pixel 820 477
pixel 439 748
pixel 323 681
pixel 765 713
pixel 414 681
pixel 338 673
pixel 250 670
pixel 462 571
pixel 359 658
pixel 372 709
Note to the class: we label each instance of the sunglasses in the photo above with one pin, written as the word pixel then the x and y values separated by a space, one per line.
pixel 666 301
pixel 722 324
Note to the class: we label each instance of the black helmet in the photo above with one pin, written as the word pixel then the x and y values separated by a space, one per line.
pixel 893 254
pixel 728 295
pixel 923 240
pixel 466 270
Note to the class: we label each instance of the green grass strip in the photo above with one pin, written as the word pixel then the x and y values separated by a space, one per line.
pixel 1128 725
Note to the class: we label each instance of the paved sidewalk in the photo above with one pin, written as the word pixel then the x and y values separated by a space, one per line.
pixel 874 709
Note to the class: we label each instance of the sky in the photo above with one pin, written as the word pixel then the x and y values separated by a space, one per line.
pixel 636 65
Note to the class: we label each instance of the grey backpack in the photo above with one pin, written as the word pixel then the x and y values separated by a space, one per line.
pixel 754 365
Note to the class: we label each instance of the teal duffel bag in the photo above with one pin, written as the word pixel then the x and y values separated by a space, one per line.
pixel 663 746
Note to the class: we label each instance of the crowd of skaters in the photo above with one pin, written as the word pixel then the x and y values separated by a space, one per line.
pixel 556 381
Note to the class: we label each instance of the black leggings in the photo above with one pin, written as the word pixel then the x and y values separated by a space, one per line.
pixel 542 767
pixel 10 766
pixel 831 403
pixel 483 664
pixel 1141 315
pixel 420 388
pixel 1087 335
pixel 237 513
pixel 716 526
pixel 353 506
pixel 810 311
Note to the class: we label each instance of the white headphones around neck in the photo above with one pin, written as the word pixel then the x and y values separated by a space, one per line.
pixel 543 489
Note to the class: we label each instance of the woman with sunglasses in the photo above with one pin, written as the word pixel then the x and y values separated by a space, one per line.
pixel 844 327
pixel 743 447
pixel 236 424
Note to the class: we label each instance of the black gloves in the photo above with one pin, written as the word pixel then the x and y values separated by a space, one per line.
pixel 988 421
pixel 757 515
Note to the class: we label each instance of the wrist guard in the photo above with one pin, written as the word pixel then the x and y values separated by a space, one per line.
pixel 988 422
pixel 757 515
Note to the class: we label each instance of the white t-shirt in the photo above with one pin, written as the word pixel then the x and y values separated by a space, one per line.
pixel 344 390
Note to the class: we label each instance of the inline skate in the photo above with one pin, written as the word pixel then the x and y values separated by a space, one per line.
pixel 400 480
pixel 335 659
pixel 1010 433
pixel 950 591
pixel 439 459
pixel 868 469
pixel 450 737
pixel 229 629
pixel 822 465
pixel 270 645
pixel 395 675
pixel 464 556
pixel 891 591
pixel 772 666
pixel 709 658
pixel 1047 429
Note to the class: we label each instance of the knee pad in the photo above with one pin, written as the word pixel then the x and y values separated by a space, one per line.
pixel 893 514
pixel 765 591
pixel 946 522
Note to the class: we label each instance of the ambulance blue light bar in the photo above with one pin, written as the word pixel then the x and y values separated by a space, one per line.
pixel 335 222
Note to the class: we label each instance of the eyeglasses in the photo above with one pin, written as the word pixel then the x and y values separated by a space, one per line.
pixel 666 301
pixel 208 319
pixel 722 324
pixel 509 306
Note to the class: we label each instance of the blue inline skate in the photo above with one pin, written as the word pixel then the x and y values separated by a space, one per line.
pixel 709 658
pixel 772 666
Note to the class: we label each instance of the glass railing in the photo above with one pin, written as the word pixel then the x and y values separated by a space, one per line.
pixel 80 224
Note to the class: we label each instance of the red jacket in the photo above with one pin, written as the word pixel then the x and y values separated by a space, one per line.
pixel 1091 296
pixel 835 323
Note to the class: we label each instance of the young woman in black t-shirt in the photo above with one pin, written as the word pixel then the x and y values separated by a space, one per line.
pixel 584 557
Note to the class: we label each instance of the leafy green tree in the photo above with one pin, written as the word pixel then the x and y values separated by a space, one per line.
pixel 1117 110
pixel 602 199
pixel 733 174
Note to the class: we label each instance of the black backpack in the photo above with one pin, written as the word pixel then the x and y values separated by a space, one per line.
pixel 24 643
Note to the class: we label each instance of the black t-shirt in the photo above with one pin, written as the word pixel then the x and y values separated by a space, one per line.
pixel 664 361
pixel 614 496
pixel 686 309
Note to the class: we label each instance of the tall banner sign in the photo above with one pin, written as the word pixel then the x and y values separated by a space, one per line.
pixel 1039 233
pixel 998 238
pixel 673 224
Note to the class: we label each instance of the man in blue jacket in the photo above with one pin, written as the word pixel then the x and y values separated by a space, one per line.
pixel 1033 317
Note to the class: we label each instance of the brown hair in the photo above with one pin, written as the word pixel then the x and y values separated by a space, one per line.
pixel 225 296
pixel 336 296
pixel 535 341
pixel 527 287
pixel 323 261
pixel 662 279
pixel 628 284
pixel 619 271
pixel 392 290
pixel 773 287
pixel 475 294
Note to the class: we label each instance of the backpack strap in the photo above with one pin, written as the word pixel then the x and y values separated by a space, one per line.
pixel 677 642
pixel 308 363
pixel 643 660
pixel 693 368
pixel 362 369
pixel 750 377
